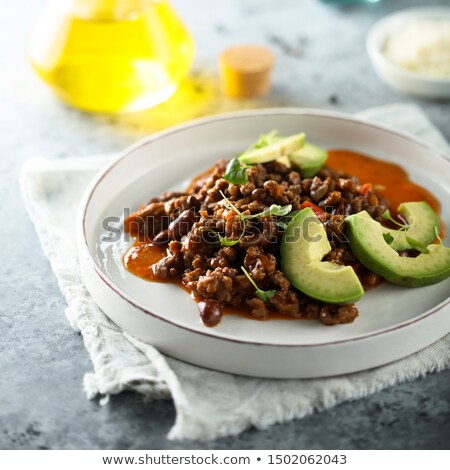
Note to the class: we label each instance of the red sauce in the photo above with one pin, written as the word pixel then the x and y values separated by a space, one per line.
pixel 140 258
pixel 388 179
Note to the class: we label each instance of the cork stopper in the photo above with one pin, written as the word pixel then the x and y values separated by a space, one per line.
pixel 245 71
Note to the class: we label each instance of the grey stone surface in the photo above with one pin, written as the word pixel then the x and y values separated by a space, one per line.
pixel 320 53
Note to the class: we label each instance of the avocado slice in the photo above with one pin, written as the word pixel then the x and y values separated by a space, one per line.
pixel 366 240
pixel 303 247
pixel 309 159
pixel 285 161
pixel 422 225
pixel 279 147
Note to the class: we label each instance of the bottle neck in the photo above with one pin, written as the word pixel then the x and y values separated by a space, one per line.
pixel 108 10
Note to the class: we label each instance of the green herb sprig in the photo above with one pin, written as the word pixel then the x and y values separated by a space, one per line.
pixel 388 238
pixel 236 172
pixel 223 240
pixel 229 205
pixel 227 241
pixel 261 294
pixel 273 210
pixel 416 245
pixel 387 216
pixel 439 239
pixel 285 222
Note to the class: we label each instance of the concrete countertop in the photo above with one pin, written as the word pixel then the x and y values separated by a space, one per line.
pixel 321 63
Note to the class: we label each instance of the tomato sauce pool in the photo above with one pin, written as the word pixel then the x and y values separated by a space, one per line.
pixel 388 179
pixel 140 258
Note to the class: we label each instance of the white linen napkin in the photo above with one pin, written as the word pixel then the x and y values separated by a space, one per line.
pixel 208 404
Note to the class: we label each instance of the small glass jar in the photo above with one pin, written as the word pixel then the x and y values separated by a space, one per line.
pixel 111 55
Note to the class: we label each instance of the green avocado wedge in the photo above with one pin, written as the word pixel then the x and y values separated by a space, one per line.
pixel 423 224
pixel 309 159
pixel 366 240
pixel 303 247
pixel 277 147
pixel 291 151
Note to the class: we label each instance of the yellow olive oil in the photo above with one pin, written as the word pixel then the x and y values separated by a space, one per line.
pixel 102 57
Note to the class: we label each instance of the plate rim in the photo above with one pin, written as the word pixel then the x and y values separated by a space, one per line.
pixel 82 242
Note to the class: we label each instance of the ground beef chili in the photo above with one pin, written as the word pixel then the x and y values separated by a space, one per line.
pixel 187 225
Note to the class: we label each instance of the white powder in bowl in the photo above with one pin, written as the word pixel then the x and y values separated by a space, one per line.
pixel 422 46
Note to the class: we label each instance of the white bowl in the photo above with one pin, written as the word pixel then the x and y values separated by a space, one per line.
pixel 395 75
pixel 394 321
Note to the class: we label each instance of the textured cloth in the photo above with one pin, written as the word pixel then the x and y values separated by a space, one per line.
pixel 208 404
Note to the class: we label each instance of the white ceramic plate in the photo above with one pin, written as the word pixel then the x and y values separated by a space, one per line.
pixel 393 323
pixel 391 73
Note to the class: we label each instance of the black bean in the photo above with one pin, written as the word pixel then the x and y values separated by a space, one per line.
pixel 162 238
pixel 193 203
pixel 181 225
pixel 260 194
pixel 210 312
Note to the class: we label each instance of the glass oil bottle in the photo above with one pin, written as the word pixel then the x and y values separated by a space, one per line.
pixel 111 55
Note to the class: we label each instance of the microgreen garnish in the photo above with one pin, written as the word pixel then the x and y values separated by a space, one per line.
pixel 388 238
pixel 274 209
pixel 266 139
pixel 285 222
pixel 229 205
pixel 387 216
pixel 261 294
pixel 223 240
pixel 227 242
pixel 283 225
pixel 236 173
pixel 416 245
pixel 439 239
